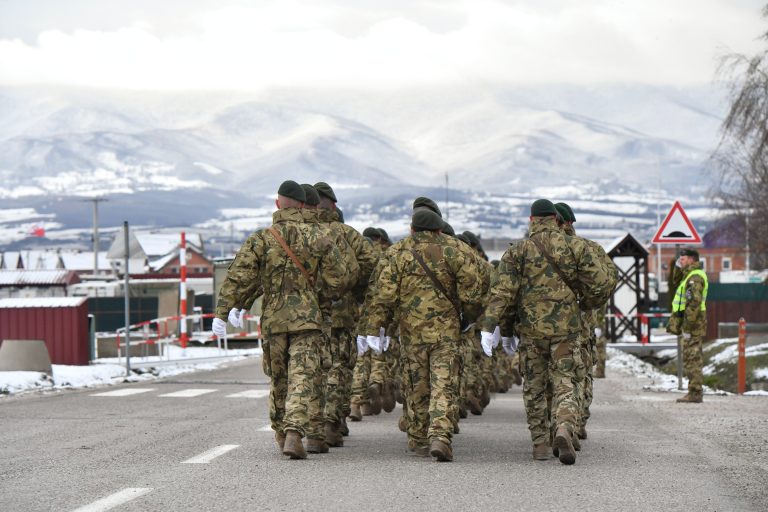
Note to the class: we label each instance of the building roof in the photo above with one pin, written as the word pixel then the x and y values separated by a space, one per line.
pixel 42 302
pixel 83 261
pixel 626 245
pixel 9 260
pixel 40 260
pixel 727 233
pixel 21 278
pixel 153 245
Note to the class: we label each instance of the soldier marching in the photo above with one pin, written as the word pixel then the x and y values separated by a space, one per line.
pixel 353 323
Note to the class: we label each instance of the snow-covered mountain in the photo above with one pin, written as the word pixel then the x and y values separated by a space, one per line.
pixel 182 160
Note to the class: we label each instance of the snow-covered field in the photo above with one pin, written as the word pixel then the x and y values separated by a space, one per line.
pixel 106 372
pixel 654 380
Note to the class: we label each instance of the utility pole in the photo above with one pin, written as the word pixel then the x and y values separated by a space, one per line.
pixel 746 237
pixel 96 201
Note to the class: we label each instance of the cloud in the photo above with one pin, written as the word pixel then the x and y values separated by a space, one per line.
pixel 359 45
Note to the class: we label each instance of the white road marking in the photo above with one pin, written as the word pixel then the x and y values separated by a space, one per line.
pixel 115 500
pixel 251 393
pixel 188 393
pixel 125 392
pixel 266 428
pixel 206 457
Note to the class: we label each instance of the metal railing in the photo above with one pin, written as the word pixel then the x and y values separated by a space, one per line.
pixel 158 332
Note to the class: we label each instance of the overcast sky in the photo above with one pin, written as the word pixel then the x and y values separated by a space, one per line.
pixel 256 45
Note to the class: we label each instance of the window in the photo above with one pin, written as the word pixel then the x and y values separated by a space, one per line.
pixel 703 264
pixel 726 264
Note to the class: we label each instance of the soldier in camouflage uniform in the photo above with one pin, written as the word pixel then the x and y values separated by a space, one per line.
pixel 329 379
pixel 689 319
pixel 474 390
pixel 381 379
pixel 592 319
pixel 546 298
pixel 429 325
pixel 344 314
pixel 291 319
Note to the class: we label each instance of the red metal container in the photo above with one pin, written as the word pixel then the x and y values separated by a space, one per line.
pixel 62 322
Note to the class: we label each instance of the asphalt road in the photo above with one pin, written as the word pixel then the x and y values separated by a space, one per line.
pixel 73 450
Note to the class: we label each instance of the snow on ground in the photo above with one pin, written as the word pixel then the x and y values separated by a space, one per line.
pixel 656 381
pixel 731 354
pixel 109 371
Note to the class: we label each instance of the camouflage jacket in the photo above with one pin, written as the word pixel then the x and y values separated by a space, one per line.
pixel 595 317
pixel 345 310
pixel 531 289
pixel 405 290
pixel 333 230
pixel 694 319
pixel 290 303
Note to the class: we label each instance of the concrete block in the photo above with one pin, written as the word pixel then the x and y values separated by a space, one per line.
pixel 25 356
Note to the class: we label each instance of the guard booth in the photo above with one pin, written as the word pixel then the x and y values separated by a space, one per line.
pixel 631 296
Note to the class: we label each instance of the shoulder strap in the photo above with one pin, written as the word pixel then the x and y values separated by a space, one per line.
pixel 437 282
pixel 291 255
pixel 554 266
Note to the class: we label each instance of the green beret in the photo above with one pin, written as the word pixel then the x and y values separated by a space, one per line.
pixel 384 235
pixel 687 251
pixel 474 241
pixel 426 219
pixel 313 199
pixel 325 190
pixel 372 233
pixel 341 215
pixel 543 208
pixel 425 202
pixel 293 190
pixel 565 212
pixel 448 229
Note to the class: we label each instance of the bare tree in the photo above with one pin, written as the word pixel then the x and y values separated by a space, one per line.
pixel 741 154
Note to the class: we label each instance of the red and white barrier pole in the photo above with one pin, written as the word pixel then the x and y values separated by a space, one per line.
pixel 741 368
pixel 184 337
pixel 644 329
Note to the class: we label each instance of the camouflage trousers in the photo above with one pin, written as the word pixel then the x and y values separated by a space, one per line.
pixel 600 349
pixel 693 362
pixel 432 381
pixel 584 376
pixel 502 372
pixel 549 368
pixel 338 382
pixel 292 361
pixel 361 376
pixel 471 378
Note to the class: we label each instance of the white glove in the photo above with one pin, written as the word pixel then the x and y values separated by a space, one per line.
pixel 686 335
pixel 375 343
pixel 362 346
pixel 237 317
pixel 509 345
pixel 219 328
pixel 385 346
pixel 486 340
pixel 598 332
pixel 496 336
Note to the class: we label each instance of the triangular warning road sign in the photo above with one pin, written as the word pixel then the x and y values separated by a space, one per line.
pixel 676 228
